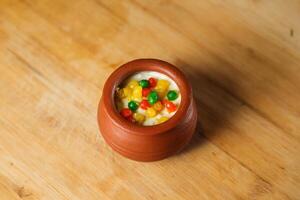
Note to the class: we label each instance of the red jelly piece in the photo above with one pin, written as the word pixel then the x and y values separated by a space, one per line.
pixel 126 112
pixel 164 102
pixel 146 91
pixel 145 104
pixel 130 118
pixel 152 82
pixel 171 107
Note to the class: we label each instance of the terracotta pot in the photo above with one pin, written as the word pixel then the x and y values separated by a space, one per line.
pixel 147 143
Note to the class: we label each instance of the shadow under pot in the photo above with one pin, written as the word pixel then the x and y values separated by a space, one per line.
pixel 147 111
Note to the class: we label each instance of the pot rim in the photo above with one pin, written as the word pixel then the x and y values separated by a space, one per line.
pixel 138 65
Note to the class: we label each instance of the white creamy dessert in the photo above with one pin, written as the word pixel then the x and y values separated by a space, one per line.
pixel 162 101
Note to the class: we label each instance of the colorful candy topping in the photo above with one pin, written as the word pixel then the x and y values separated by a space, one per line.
pixel 172 95
pixel 162 87
pixel 158 106
pixel 139 118
pixel 151 112
pixel 125 112
pixel 152 82
pixel 132 105
pixel 145 104
pixel 145 92
pixel 162 120
pixel 148 98
pixel 152 97
pixel 171 107
pixel 144 83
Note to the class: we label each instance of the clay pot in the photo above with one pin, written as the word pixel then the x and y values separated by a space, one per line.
pixel 147 143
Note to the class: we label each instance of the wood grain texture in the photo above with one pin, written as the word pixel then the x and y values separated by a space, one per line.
pixel 242 58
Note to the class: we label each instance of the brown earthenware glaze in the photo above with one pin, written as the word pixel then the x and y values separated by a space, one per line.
pixel 147 143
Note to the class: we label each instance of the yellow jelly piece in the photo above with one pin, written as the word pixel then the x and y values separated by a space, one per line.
pixel 158 106
pixel 139 118
pixel 162 88
pixel 150 112
pixel 126 92
pixel 132 84
pixel 137 93
pixel 162 120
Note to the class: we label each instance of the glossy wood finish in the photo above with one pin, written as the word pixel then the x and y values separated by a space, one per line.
pixel 241 56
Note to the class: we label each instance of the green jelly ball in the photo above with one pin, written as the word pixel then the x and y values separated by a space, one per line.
pixel 172 95
pixel 144 83
pixel 152 97
pixel 132 105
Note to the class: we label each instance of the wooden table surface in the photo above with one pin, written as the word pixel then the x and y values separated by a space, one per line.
pixel 242 58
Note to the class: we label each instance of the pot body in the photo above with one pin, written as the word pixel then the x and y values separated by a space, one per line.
pixel 141 143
